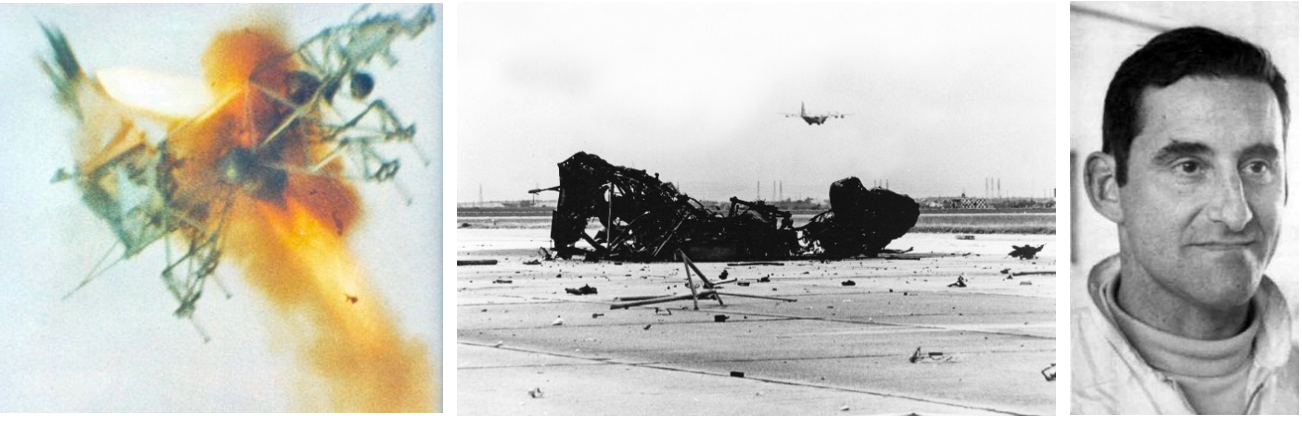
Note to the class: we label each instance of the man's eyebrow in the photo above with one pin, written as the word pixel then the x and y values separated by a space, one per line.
pixel 1267 151
pixel 1177 149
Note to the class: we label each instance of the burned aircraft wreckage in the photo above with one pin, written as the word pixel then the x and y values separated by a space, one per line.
pixel 644 219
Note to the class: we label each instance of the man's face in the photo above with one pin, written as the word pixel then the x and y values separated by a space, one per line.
pixel 1206 189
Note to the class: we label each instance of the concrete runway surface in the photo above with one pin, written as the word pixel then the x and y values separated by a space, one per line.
pixel 836 350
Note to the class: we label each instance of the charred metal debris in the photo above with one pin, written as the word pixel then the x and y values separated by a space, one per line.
pixel 645 219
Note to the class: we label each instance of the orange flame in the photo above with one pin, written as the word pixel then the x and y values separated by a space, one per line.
pixel 286 228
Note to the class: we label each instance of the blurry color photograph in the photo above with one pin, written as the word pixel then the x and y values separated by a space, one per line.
pixel 221 208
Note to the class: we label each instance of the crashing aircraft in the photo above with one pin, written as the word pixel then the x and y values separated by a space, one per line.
pixel 150 185
pixel 814 119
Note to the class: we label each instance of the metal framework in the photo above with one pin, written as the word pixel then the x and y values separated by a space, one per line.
pixel 645 219
pixel 130 182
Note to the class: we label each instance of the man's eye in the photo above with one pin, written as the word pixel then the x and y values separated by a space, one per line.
pixel 1258 168
pixel 1189 167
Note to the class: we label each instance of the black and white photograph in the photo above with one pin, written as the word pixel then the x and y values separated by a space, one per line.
pixel 756 209
pixel 1184 243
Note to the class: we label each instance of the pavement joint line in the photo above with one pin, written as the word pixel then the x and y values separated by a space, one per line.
pixel 782 317
pixel 555 365
pixel 540 300
pixel 535 301
pixel 902 356
pixel 764 380
pixel 837 388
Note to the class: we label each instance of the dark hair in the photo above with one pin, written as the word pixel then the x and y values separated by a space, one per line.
pixel 1168 58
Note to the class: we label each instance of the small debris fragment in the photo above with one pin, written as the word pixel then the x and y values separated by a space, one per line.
pixel 501 281
pixel 585 290
pixel 461 262
pixel 1025 252
pixel 1050 373
pixel 647 327
pixel 764 279
pixel 595 315
pixel 720 318
pixel 532 262
pixel 965 237
pixel 558 321
pixel 845 408
pixel 1005 270
pixel 962 282
pixel 1025 283
pixel 723 275
pixel 737 374
pixel 743 283
pixel 929 357
pixel 536 393
pixel 847 283
pixel 498 344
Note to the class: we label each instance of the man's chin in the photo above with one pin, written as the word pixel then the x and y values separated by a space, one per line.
pixel 1226 287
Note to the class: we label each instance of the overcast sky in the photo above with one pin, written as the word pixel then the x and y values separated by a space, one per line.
pixel 941 96
pixel 115 346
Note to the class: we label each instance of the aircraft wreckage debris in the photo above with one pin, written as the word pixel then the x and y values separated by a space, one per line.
pixel 645 219
pixel 1025 252
pixel 585 290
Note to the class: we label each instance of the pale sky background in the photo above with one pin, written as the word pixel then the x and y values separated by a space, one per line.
pixel 941 96
pixel 1103 34
pixel 115 346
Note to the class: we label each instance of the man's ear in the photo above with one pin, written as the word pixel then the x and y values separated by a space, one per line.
pixel 1101 186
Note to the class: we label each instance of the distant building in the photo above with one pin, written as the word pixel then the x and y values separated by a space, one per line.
pixel 965 203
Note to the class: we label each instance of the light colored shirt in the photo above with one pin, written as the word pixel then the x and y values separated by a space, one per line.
pixel 1213 374
pixel 1110 376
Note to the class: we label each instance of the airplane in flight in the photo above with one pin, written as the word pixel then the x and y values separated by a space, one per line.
pixel 815 119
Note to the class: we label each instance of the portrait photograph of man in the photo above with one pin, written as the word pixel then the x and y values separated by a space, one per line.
pixel 1184 278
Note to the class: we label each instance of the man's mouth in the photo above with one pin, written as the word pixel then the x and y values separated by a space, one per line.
pixel 1225 245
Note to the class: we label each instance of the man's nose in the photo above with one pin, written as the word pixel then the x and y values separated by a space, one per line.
pixel 1230 206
